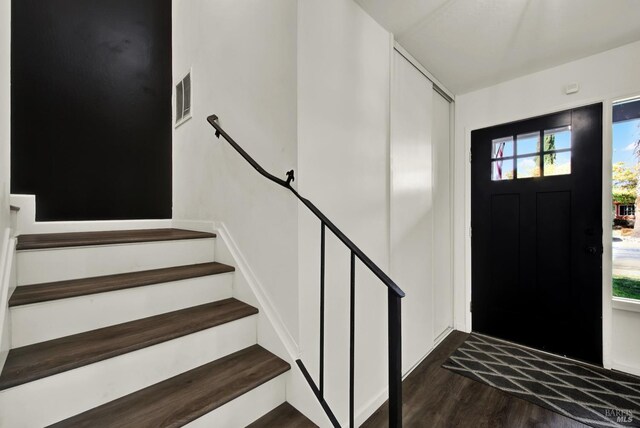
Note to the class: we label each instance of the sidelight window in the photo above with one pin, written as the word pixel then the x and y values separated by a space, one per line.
pixel 624 194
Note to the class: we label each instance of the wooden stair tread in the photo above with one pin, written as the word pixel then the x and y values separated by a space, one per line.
pixel 181 399
pixel 283 416
pixel 76 239
pixel 43 292
pixel 39 360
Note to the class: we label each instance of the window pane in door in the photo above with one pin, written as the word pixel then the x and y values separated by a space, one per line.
pixel 557 139
pixel 528 143
pixel 502 170
pixel 528 167
pixel 557 163
pixel 502 148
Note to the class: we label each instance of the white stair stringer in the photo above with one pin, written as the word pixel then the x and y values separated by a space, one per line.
pixel 38 322
pixel 58 264
pixel 272 332
pixel 66 394
pixel 247 408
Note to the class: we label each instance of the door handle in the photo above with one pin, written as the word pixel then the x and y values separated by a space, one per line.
pixel 592 251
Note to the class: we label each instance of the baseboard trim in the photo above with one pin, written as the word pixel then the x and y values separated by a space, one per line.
pixel 197 225
pixel 275 336
pixel 258 290
pixel 625 368
pixel 244 269
pixel 7 252
pixel 436 342
pixel 369 408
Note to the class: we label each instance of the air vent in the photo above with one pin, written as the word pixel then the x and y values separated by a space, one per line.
pixel 183 100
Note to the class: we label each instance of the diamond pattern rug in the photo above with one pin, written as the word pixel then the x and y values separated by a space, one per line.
pixel 588 394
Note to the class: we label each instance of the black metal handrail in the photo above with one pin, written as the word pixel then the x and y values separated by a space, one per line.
pixel 394 294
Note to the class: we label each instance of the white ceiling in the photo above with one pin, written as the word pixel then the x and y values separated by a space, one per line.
pixel 470 44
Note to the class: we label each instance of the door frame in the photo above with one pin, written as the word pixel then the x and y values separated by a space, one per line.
pixel 607 299
pixel 573 327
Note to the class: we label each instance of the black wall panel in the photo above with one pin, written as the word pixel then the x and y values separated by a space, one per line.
pixel 91 107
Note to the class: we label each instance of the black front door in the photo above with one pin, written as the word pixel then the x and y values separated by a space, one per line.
pixel 536 218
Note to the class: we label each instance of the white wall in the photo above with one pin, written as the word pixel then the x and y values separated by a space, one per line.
pixel 381 194
pixel 5 107
pixel 243 57
pixel 625 350
pixel 343 162
pixel 605 77
pixel 303 85
pixel 5 133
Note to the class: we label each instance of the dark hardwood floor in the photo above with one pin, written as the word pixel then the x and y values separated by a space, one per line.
pixel 181 399
pixel 76 239
pixel 283 416
pixel 43 292
pixel 436 397
pixel 39 360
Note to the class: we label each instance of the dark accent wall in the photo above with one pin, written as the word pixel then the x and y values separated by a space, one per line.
pixel 91 108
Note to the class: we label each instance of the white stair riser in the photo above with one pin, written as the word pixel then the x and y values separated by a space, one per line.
pixel 51 399
pixel 42 321
pixel 248 407
pixel 36 266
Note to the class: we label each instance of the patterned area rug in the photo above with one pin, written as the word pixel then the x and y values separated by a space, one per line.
pixel 588 394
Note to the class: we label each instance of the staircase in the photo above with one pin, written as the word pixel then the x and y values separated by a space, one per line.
pixel 135 329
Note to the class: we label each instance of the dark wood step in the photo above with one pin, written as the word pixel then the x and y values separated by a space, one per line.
pixel 32 362
pixel 183 398
pixel 283 416
pixel 77 239
pixel 27 294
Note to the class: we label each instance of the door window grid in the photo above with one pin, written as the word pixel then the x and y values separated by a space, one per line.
pixel 530 155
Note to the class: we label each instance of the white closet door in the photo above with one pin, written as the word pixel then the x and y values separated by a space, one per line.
pixel 411 211
pixel 443 236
